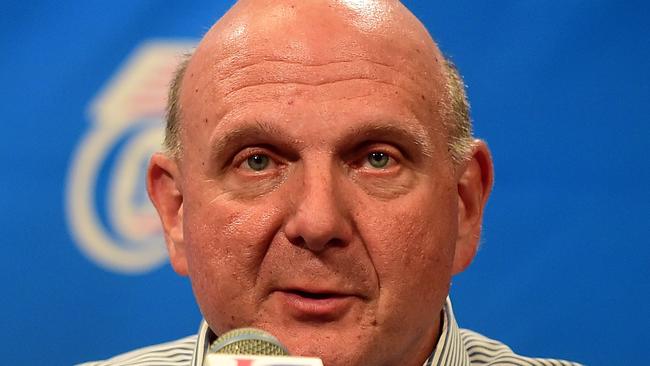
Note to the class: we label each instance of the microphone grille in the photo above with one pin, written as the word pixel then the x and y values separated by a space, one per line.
pixel 248 341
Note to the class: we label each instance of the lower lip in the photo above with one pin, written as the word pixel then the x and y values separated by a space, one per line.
pixel 306 308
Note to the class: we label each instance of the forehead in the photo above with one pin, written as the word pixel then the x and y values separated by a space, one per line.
pixel 317 33
pixel 258 52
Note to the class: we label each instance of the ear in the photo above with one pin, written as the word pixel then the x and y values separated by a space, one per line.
pixel 474 185
pixel 165 191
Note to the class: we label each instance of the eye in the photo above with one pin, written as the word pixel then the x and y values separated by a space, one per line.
pixel 258 162
pixel 378 159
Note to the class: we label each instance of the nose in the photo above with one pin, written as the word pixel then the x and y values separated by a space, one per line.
pixel 319 218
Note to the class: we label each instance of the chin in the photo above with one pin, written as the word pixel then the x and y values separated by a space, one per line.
pixel 335 347
pixel 330 354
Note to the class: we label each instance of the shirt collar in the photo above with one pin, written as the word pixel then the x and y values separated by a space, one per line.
pixel 449 351
pixel 203 341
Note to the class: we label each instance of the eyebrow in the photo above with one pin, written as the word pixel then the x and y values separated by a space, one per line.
pixel 259 130
pixel 249 133
pixel 394 131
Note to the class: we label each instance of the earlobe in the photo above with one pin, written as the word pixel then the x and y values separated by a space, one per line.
pixel 474 186
pixel 165 192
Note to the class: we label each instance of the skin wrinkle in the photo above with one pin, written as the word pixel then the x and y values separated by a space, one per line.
pixel 419 137
pixel 353 98
pixel 393 190
pixel 268 240
pixel 357 233
pixel 220 144
pixel 321 83
pixel 244 68
pixel 260 191
pixel 366 131
pixel 244 72
pixel 440 104
pixel 314 84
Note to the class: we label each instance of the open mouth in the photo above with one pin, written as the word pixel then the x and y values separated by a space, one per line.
pixel 315 295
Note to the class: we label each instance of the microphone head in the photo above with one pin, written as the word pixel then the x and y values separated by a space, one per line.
pixel 248 341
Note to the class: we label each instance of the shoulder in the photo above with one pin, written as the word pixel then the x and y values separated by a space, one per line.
pixel 175 353
pixel 485 351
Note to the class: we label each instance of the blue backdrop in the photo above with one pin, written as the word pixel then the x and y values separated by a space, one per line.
pixel 559 89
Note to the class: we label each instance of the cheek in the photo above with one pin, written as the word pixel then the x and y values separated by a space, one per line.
pixel 225 245
pixel 219 230
pixel 419 227
pixel 413 251
pixel 409 245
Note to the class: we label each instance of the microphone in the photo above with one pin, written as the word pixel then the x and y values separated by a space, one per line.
pixel 253 347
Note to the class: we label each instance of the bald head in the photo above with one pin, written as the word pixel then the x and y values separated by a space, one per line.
pixel 316 32
pixel 358 38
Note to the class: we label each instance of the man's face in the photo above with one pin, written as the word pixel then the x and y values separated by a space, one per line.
pixel 318 199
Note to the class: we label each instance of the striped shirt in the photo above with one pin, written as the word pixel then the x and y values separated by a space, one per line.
pixel 456 347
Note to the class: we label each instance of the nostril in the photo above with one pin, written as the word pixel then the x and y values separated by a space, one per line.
pixel 336 242
pixel 316 244
pixel 298 241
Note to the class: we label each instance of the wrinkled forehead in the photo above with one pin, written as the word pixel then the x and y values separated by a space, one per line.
pixel 318 32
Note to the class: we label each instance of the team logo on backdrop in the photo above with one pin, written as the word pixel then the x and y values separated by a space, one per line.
pixel 110 217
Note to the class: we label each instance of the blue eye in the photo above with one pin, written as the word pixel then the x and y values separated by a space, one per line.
pixel 258 162
pixel 378 159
